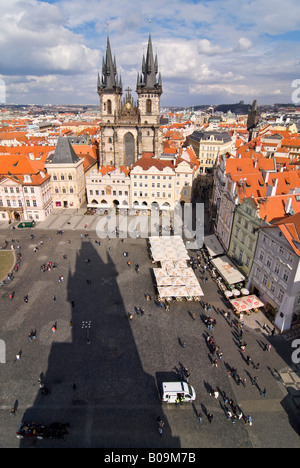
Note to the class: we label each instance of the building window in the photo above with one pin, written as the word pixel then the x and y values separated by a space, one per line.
pixel 261 256
pixel 280 294
pixel 265 279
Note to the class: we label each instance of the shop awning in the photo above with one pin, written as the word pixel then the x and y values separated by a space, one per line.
pixel 227 270
pixel 213 245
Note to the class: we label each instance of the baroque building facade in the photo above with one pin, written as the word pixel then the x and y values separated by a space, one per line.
pixel 129 129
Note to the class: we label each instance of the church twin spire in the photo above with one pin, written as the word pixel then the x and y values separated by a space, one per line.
pixel 109 81
pixel 147 81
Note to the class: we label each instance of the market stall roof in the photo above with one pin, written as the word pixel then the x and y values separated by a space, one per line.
pixel 227 270
pixel 213 245
pixel 246 303
pixel 168 248
pixel 176 278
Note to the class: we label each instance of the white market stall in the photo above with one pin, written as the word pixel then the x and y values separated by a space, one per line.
pixel 227 270
pixel 175 279
pixel 168 248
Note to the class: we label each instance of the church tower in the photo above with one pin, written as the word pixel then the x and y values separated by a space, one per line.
pixel 149 88
pixel 109 87
pixel 129 129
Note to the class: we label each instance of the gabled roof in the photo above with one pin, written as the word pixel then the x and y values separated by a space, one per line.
pixel 146 163
pixel 273 209
pixel 18 166
pixel 290 228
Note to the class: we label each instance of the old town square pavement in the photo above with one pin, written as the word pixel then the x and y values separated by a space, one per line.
pixel 107 389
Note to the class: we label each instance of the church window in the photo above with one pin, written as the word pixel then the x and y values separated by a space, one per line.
pixel 109 106
pixel 148 106
pixel 109 140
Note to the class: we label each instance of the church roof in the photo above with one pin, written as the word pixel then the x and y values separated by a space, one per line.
pixel 147 80
pixel 64 153
pixel 110 81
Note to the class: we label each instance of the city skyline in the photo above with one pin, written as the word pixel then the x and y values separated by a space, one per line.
pixel 221 52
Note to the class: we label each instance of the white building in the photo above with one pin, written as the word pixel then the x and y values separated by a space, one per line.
pixel 163 182
pixel 108 186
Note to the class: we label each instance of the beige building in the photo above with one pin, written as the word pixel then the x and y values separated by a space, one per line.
pixel 66 170
pixel 162 182
pixel 208 146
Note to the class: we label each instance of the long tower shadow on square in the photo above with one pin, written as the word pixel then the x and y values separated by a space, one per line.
pixel 97 383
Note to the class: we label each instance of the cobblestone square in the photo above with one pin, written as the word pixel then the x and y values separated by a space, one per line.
pixel 105 380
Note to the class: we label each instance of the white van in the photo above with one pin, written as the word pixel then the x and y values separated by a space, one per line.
pixel 173 392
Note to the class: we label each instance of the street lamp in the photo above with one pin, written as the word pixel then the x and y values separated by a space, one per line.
pixel 87 325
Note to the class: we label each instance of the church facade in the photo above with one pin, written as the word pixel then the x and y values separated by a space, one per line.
pixel 129 129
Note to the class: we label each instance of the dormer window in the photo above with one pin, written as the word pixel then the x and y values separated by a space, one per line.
pixel 27 179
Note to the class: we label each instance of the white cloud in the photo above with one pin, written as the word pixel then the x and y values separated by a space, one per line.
pixel 51 51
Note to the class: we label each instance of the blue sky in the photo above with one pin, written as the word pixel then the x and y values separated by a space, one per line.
pixel 209 52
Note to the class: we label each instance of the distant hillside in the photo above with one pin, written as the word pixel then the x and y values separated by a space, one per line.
pixel 237 109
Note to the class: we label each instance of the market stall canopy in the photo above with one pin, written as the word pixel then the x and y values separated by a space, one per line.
pixel 213 245
pixel 176 278
pixel 246 303
pixel 227 270
pixel 168 249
